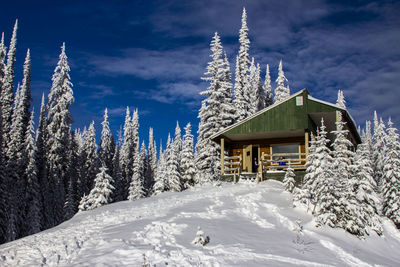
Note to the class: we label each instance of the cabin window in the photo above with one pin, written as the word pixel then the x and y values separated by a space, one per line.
pixel 285 151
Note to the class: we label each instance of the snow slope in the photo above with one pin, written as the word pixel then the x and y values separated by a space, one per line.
pixel 248 225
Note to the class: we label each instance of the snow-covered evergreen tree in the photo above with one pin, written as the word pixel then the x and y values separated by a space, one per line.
pixel 117 174
pixel 16 154
pixel 178 145
pixel 58 136
pixel 13 181
pixel 256 91
pixel 32 214
pixel 3 189
pixel 379 149
pixel 3 52
pixel 365 189
pixel 173 168
pixel 152 163
pixel 41 164
pixel 288 180
pixel 215 113
pixel 72 198
pixel 136 187
pixel 107 144
pixel 227 110
pixel 344 206
pixel 127 152
pixel 340 99
pixel 3 194
pixel 391 176
pixel 130 145
pixel 305 195
pixel 268 88
pixel 367 139
pixel 101 193
pixel 187 160
pixel 160 175
pixel 242 87
pixel 91 163
pixel 7 97
pixel 281 91
pixel 319 180
pixel 21 115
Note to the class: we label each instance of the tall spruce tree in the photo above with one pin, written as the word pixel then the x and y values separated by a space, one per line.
pixel 159 178
pixel 58 136
pixel 16 154
pixel 20 120
pixel 257 96
pixel 365 189
pixel 187 159
pixel 21 113
pixel 117 175
pixel 281 91
pixel 173 168
pixel 3 194
pixel 319 180
pixel 130 145
pixel 7 97
pixel 215 113
pixel 268 88
pixel 152 163
pixel 41 138
pixel 345 207
pixel 136 187
pixel 3 52
pixel 107 144
pixel 91 164
pixel 127 153
pixel 379 149
pixel 72 198
pixel 391 176
pixel 33 211
pixel 242 87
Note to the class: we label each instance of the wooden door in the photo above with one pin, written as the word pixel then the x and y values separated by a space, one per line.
pixel 247 156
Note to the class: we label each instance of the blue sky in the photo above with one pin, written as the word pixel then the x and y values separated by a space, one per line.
pixel 150 55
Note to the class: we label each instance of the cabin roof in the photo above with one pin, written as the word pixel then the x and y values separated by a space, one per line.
pixel 291 117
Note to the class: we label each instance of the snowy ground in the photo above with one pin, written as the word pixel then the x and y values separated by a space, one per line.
pixel 248 225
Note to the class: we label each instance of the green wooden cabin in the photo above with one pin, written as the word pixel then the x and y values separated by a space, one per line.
pixel 279 134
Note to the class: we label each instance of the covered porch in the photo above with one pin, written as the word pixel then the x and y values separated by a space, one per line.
pixel 260 153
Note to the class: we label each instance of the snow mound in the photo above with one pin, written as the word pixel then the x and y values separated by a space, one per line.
pixel 247 225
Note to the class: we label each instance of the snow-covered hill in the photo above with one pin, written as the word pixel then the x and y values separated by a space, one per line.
pixel 248 225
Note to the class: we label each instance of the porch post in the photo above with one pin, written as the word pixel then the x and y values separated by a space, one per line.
pixel 222 156
pixel 306 136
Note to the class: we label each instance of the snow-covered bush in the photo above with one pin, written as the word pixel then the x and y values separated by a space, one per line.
pixel 200 239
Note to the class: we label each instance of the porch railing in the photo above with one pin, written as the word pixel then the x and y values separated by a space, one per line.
pixel 268 163
pixel 233 165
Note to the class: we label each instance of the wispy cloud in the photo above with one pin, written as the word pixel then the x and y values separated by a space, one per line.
pixel 182 63
pixel 98 91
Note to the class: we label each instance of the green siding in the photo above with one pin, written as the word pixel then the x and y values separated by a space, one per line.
pixel 316 107
pixel 284 117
